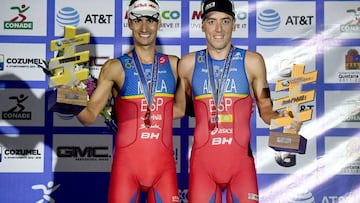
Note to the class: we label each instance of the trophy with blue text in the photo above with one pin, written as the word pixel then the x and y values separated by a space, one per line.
pixel 66 69
pixel 288 140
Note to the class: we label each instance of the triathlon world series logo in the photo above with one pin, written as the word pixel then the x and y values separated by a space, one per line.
pixel 19 21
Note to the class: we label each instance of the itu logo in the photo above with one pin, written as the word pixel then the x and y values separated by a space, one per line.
pixel 68 16
pixel 269 20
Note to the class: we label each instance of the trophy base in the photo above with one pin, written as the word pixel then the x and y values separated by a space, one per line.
pixel 67 101
pixel 287 142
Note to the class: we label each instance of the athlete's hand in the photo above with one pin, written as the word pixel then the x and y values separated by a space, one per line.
pixel 295 125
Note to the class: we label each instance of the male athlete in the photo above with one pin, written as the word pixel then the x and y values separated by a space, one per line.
pixel 143 83
pixel 223 81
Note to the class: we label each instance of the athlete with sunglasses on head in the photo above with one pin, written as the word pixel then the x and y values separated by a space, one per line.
pixel 143 83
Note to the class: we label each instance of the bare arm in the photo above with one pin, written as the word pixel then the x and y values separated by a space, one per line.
pixel 109 74
pixel 174 61
pixel 256 70
pixel 183 91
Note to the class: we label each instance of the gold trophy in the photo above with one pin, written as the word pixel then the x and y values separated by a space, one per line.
pixel 289 140
pixel 65 69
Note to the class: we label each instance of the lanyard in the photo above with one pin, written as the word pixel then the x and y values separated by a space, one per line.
pixel 218 89
pixel 149 91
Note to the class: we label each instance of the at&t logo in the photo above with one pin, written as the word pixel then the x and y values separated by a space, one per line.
pixel 269 20
pixel 67 16
pixel 303 197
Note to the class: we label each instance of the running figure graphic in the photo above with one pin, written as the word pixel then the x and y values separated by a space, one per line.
pixel 356 20
pixel 19 100
pixel 21 10
pixel 47 190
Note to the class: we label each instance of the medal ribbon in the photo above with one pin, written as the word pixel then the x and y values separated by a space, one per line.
pixel 149 92
pixel 218 90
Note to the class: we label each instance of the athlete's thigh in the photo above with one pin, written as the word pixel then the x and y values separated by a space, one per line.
pixel 165 189
pixel 201 187
pixel 123 186
pixel 244 187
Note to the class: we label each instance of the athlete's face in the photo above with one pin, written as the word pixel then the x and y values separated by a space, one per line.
pixel 144 30
pixel 218 28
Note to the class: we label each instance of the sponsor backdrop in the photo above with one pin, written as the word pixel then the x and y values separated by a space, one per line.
pixel 48 157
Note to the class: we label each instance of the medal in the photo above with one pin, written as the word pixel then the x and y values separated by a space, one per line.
pixel 218 88
pixel 147 118
pixel 149 91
